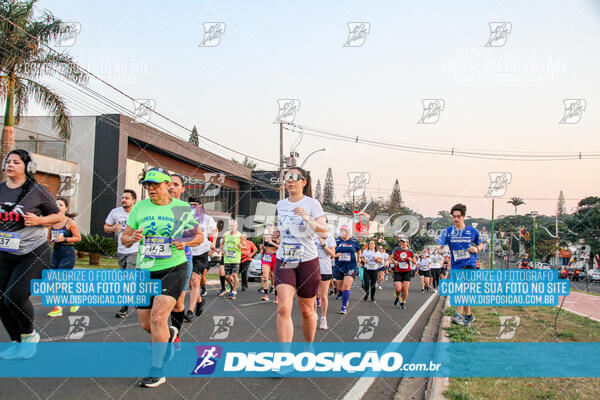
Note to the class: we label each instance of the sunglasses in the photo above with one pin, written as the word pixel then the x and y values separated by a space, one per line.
pixel 293 176
pixel 151 184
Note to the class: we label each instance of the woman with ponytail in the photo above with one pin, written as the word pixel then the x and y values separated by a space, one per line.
pixel 63 236
pixel 25 208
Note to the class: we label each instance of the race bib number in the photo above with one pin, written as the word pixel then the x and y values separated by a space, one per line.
pixel 156 247
pixel 345 257
pixel 55 235
pixel 267 258
pixel 461 255
pixel 230 253
pixel 403 265
pixel 292 252
pixel 9 241
pixel 123 224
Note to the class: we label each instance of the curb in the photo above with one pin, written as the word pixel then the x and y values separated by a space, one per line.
pixel 441 384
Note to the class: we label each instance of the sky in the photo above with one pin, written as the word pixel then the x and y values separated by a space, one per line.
pixel 497 98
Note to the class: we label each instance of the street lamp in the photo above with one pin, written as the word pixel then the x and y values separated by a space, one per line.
pixel 307 157
pixel 533 215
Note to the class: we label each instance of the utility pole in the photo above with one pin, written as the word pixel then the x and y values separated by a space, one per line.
pixel 492 240
pixel 533 215
pixel 281 163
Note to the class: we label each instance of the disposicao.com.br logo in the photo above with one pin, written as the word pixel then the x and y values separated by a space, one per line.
pixel 311 362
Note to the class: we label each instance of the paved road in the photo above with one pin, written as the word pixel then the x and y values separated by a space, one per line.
pixel 254 321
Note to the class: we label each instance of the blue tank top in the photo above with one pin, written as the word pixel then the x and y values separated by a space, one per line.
pixel 55 233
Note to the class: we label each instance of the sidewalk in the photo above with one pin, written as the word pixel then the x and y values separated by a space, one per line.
pixel 582 304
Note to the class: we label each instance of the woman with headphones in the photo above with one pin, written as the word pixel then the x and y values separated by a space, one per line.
pixel 25 208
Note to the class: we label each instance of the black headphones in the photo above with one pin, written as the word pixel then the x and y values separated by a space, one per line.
pixel 30 166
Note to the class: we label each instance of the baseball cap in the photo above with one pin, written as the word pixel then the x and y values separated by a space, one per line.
pixel 156 175
pixel 403 238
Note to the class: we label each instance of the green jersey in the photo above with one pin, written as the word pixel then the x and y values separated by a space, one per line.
pixel 233 253
pixel 162 225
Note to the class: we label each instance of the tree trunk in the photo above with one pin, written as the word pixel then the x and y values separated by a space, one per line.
pixel 8 133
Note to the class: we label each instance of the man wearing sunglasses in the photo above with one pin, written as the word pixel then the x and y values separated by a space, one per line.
pixel 464 243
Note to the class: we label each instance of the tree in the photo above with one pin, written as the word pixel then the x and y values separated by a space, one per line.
pixel 588 202
pixel 318 192
pixel 516 202
pixel 561 209
pixel 194 137
pixel 328 188
pixel 246 163
pixel 24 63
pixel 395 203
pixel 584 224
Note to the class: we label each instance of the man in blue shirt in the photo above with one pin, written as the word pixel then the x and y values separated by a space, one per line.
pixel 464 243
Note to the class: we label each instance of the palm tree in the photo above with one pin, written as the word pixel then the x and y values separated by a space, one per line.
pixel 24 59
pixel 516 201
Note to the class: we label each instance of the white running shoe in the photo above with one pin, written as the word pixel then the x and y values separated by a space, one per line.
pixel 28 346
pixel 323 324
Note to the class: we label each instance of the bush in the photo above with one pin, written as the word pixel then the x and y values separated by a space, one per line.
pixel 96 244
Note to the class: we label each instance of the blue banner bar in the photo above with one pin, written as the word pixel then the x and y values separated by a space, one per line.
pixel 319 360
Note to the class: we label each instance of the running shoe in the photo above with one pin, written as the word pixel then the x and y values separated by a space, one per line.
pixel 173 338
pixel 397 299
pixel 339 296
pixel 422 290
pixel 122 313
pixel 199 308
pixel 331 292
pixel 318 302
pixel 229 288
pixel 380 288
pixel 366 296
pixel 188 316
pixel 203 293
pixel 373 301
pixel 323 324
pixel 469 320
pixel 154 379
pixel 342 310
pixel 221 292
pixel 28 346
pixel 74 308
pixel 275 301
pixel 12 352
pixel 271 289
pixel 260 289
pixel 177 343
pixel 459 320
pixel 403 305
pixel 265 298
pixel 232 296
pixel 56 312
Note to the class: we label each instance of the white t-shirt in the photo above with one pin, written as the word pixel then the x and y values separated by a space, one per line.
pixel 385 259
pixel 119 216
pixel 370 256
pixel 297 237
pixel 424 263
pixel 207 225
pixel 437 261
pixel 324 258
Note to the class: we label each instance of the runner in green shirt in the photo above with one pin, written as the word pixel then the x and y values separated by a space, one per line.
pixel 163 226
pixel 231 246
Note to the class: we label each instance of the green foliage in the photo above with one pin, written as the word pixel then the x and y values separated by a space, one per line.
pixel 328 188
pixel 319 191
pixel 26 66
pixel 194 139
pixel 257 240
pixel 516 202
pixel 246 162
pixel 97 244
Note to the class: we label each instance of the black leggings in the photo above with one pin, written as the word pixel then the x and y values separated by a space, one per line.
pixel 435 273
pixel 16 273
pixel 370 276
pixel 244 272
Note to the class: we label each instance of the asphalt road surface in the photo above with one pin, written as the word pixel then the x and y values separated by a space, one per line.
pixel 253 321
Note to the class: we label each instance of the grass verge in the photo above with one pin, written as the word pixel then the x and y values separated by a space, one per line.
pixel 536 325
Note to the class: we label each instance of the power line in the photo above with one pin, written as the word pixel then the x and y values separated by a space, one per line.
pixel 133 99
pixel 422 149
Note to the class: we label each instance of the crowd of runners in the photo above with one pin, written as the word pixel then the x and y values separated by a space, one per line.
pixel 175 239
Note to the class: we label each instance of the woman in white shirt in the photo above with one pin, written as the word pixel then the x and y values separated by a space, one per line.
pixel 297 269
pixel 372 259
pixel 326 249
pixel 437 261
